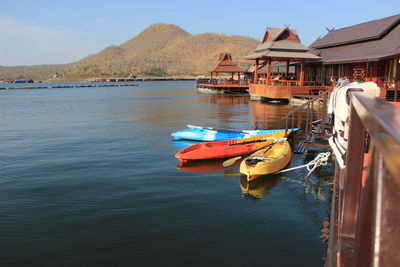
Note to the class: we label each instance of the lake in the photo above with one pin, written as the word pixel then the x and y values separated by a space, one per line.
pixel 88 177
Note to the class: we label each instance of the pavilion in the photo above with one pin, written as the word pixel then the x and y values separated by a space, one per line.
pixel 227 66
pixel 281 45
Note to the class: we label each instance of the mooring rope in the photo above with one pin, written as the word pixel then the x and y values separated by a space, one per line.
pixel 320 160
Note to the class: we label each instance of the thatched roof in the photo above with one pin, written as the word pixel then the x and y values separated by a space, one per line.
pixel 370 41
pixel 225 65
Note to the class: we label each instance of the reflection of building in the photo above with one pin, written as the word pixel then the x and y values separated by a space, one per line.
pixel 368 51
pixel 225 65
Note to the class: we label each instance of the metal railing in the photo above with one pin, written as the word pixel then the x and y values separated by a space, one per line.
pixel 309 115
pixel 365 213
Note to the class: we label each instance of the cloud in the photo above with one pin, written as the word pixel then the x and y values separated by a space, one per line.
pixel 13 27
pixel 22 43
pixel 102 20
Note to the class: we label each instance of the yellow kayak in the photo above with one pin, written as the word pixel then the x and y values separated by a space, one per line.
pixel 267 160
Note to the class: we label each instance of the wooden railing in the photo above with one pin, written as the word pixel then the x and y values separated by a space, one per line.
pixel 365 213
pixel 221 82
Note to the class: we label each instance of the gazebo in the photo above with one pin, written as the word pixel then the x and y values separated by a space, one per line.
pixel 282 45
pixel 224 65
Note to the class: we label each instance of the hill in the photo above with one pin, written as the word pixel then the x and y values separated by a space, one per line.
pixel 160 50
pixel 35 72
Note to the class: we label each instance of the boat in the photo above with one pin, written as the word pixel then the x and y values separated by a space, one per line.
pixel 227 148
pixel 208 134
pixel 268 160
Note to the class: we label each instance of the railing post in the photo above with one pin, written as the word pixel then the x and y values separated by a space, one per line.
pixel 311 116
pixel 323 115
pixel 286 127
pixel 292 122
pixel 307 119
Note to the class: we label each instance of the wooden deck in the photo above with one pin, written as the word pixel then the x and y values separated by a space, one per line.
pixel 274 92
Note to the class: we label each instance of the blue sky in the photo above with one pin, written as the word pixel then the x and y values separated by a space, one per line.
pixel 55 32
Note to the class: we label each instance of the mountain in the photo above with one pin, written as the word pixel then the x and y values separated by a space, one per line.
pixel 160 50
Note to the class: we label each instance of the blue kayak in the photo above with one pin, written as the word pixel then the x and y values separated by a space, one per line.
pixel 209 134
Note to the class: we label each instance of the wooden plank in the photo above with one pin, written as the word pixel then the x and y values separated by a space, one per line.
pixel 300 148
pixel 318 129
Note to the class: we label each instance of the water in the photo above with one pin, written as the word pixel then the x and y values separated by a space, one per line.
pixel 88 178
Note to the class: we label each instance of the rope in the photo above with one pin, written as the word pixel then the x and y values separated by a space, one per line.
pixel 320 160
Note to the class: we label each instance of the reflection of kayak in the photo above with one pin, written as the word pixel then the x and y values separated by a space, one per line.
pixel 198 133
pixel 210 165
pixel 228 148
pixel 267 160
pixel 258 188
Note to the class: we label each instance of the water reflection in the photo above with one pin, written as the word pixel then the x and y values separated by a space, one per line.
pixel 258 188
pixel 181 144
pixel 225 100
pixel 318 190
pixel 211 165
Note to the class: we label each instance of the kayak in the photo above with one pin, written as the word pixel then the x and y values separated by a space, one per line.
pixel 268 160
pixel 227 148
pixel 209 134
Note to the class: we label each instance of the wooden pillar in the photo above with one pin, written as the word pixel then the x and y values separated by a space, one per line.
pixel 302 73
pixel 211 77
pixel 397 79
pixel 256 72
pixel 287 69
pixel 269 72
pixel 238 77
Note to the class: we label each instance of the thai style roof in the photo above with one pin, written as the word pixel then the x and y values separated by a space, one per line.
pixel 361 32
pixel 225 65
pixel 369 41
pixel 282 55
pixel 282 44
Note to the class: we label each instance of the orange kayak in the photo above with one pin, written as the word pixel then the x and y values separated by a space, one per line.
pixel 228 148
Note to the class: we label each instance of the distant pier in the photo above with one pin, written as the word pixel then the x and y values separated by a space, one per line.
pixel 111 82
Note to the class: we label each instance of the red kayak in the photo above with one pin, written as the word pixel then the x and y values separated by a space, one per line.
pixel 228 148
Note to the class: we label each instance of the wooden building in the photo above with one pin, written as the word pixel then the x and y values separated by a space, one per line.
pixel 281 45
pixel 368 51
pixel 225 65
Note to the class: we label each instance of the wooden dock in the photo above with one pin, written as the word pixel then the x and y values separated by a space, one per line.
pixel 221 86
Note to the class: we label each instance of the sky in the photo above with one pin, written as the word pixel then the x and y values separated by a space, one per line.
pixel 35 32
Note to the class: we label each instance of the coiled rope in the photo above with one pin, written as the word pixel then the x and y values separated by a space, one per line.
pixel 320 160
